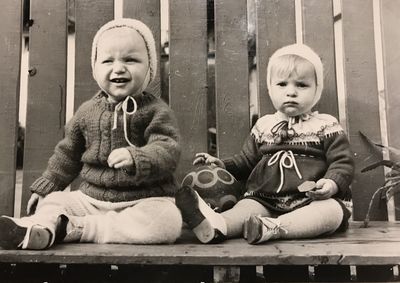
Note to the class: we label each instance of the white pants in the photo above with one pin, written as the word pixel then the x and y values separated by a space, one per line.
pixel 153 220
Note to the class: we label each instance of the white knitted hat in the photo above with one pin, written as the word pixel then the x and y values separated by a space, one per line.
pixel 142 29
pixel 307 53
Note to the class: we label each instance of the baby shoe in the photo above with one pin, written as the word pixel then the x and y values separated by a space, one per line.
pixel 22 233
pixel 208 226
pixel 259 229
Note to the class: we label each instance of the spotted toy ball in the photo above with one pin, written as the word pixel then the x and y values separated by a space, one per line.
pixel 215 185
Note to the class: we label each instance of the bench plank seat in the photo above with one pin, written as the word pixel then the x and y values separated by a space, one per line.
pixel 378 244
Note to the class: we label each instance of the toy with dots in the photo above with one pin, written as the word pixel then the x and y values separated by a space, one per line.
pixel 219 188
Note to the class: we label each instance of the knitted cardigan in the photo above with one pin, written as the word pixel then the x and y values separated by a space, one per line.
pixel 89 140
pixel 318 149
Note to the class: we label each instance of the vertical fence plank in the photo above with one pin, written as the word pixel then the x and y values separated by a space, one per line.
pixel 188 75
pixel 362 102
pixel 46 89
pixel 391 43
pixel 318 33
pixel 231 76
pixel 87 21
pixel 147 11
pixel 276 27
pixel 10 52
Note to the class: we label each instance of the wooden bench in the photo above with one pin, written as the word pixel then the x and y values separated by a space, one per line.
pixel 213 68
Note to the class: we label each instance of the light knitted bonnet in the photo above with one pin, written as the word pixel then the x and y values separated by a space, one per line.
pixel 307 53
pixel 143 30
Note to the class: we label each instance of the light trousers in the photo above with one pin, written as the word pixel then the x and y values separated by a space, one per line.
pixel 153 220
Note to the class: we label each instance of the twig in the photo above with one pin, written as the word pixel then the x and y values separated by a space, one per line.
pixel 366 220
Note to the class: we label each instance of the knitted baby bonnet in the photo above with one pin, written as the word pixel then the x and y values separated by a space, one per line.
pixel 143 30
pixel 307 53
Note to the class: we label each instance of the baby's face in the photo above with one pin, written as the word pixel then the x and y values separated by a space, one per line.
pixel 121 63
pixel 294 94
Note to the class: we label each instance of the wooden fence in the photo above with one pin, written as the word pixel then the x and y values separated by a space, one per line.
pixel 199 58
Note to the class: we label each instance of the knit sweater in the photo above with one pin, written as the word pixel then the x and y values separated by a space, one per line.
pixel 90 138
pixel 318 149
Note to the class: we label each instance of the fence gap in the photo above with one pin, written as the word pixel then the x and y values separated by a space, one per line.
pixel 118 8
pixel 253 78
pixel 340 78
pixel 299 20
pixel 211 102
pixel 381 93
pixel 164 52
pixel 23 92
pixel 70 60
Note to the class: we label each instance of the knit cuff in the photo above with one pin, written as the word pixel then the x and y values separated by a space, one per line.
pixel 43 186
pixel 232 168
pixel 229 164
pixel 341 181
pixel 142 163
pixel 131 170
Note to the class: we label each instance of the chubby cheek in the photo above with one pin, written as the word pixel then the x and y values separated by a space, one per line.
pixel 100 75
pixel 277 102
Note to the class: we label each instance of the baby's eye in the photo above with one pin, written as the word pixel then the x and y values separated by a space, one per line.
pixel 302 85
pixel 282 84
pixel 106 61
pixel 131 60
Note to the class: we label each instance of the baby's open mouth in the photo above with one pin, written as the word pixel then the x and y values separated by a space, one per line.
pixel 119 80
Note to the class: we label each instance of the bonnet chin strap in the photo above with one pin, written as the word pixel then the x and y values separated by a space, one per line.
pixel 123 105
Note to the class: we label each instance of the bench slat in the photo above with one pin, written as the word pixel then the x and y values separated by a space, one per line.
pixel 276 27
pixel 391 39
pixel 362 102
pixel 231 76
pixel 10 48
pixel 87 22
pixel 188 76
pixel 318 34
pixel 45 117
pixel 147 11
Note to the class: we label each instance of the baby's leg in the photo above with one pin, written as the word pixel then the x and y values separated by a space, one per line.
pixel 318 218
pixel 237 216
pixel 38 231
pixel 148 221
pixel 210 226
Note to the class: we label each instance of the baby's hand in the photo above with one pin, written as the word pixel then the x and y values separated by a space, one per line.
pixel 203 157
pixel 325 188
pixel 120 158
pixel 32 203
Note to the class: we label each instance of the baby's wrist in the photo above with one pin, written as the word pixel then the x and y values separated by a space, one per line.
pixel 333 186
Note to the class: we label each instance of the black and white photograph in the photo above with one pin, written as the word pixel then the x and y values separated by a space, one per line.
pixel 199 141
